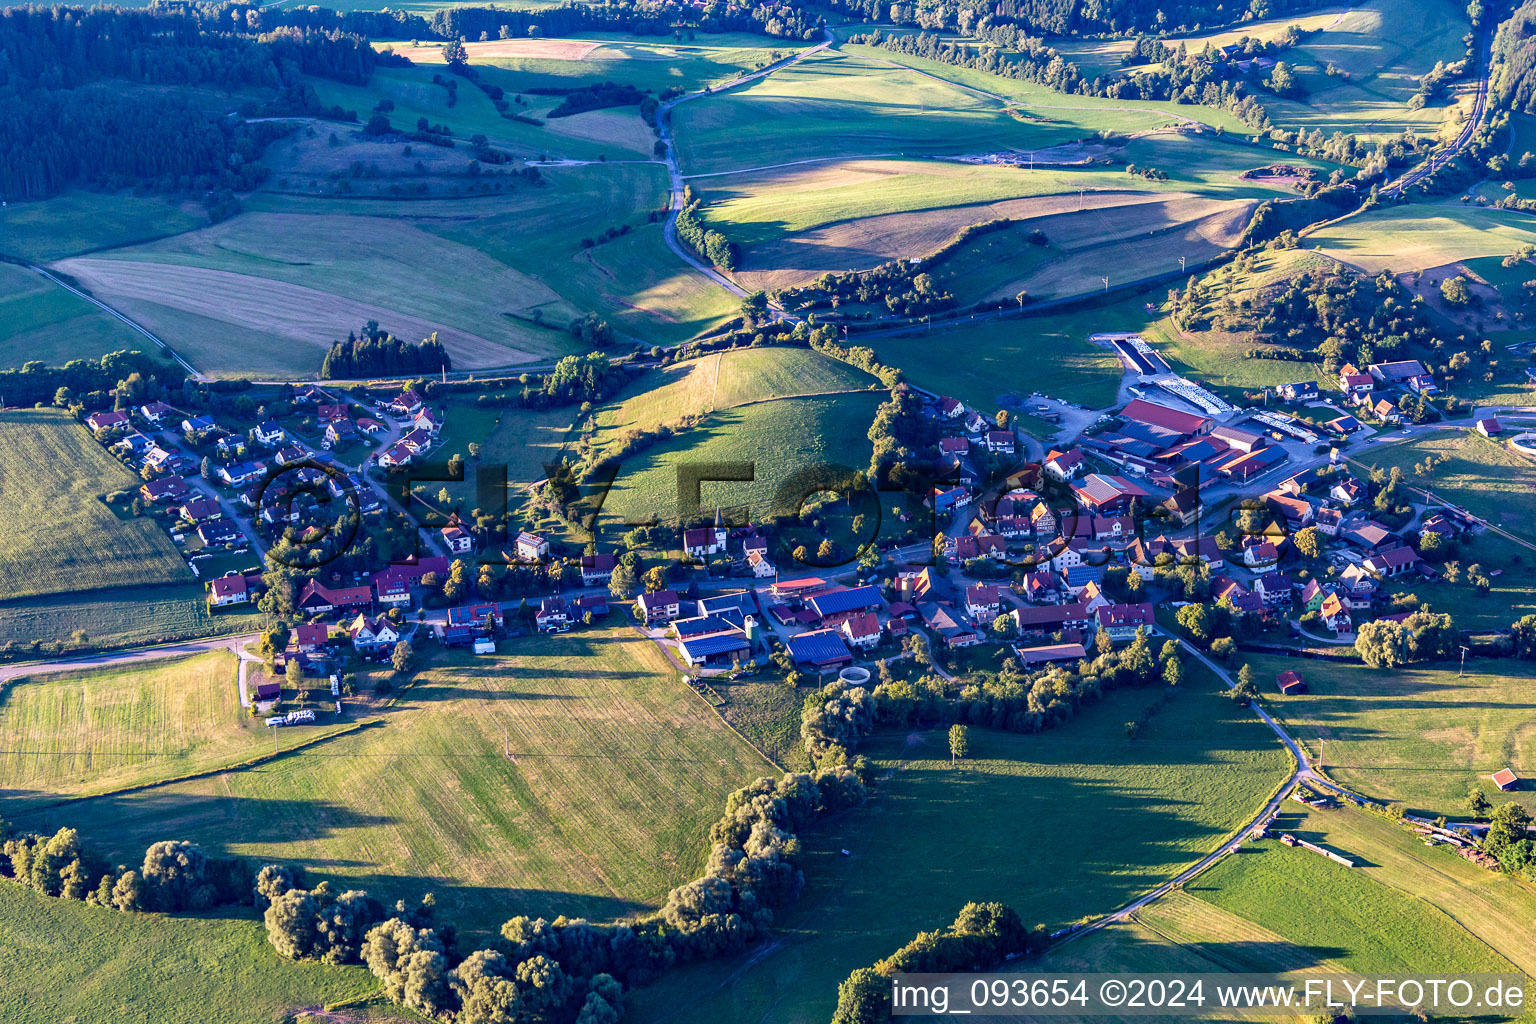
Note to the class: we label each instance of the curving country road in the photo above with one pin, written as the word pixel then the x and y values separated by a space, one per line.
pixel 1449 153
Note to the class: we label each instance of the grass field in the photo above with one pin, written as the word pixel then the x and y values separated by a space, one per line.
pixel 1048 353
pixel 779 439
pixel 615 774
pixel 522 440
pixel 59 536
pixel 61 960
pixel 1404 238
pixel 40 320
pixel 722 381
pixel 935 837
pixel 121 617
pixel 1420 734
pixel 1383 47
pixel 1480 474
pixel 647 62
pixel 73 734
pixel 85 221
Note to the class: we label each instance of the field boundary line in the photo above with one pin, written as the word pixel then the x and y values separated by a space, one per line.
pixel 739 735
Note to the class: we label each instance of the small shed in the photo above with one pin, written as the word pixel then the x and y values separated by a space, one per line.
pixel 1291 682
pixel 1506 780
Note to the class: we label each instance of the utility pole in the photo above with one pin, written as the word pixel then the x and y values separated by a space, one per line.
pixel 1463 669
pixel 1106 283
pixel 1181 264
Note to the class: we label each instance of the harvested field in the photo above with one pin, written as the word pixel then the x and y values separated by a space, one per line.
pixel 868 241
pixel 527 49
pixel 286 311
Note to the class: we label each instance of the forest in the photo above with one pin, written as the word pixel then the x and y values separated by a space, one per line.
pixel 377 353
pixel 1514 60
pixel 63 125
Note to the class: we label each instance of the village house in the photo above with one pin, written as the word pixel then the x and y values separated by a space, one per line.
pixel 201 510
pixel 1393 562
pixel 1122 621
pixel 1335 614
pixel 369 426
pixel 945 499
pixel 1274 589
pixel 1356 385
pixel 99 421
pixel 417 441
pixel 597 569
pixel 530 547
pixel 1409 373
pixel 371 634
pixel 154 413
pixel 1260 552
pixel 954 446
pixel 196 425
pixel 1001 442
pixel 406 404
pixel 761 568
pixel 428 421
pixel 459 540
pixel 1347 491
pixel 307 638
pixel 395 455
pixel 230 446
pixel 1300 391
pixel 239 474
pixel 1037 587
pixel 982 603
pixel 316 598
pixel 553 616
pixel 1297 512
pixel 219 533
pixel 1240 597
pixel 1044 620
pixel 228 590
pixel 1384 410
pixel 861 631
pixel 165 489
pixel 659 606
pixel 1107 495
pixel 333 412
pixel 342 432
pixel 269 433
pixel 1064 466
pixel 951 409
pixel 1327 521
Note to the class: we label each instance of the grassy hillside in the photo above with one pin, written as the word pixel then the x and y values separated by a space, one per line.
pixel 64 961
pixel 1197 771
pixel 1049 353
pixel 721 381
pixel 779 439
pixel 1404 238
pixel 58 535
pixel 615 773
pixel 1420 735
pixel 40 320
pixel 121 616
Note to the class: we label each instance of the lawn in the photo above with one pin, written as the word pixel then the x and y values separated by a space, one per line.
pixel 572 775
pixel 58 535
pixel 721 381
pixel 522 440
pixel 1420 734
pixel 1416 237
pixel 1047 353
pixel 74 734
pixel 1009 825
pixel 121 617
pixel 767 713
pixel 39 320
pixel 1480 474
pixel 79 222
pixel 61 960
pixel 777 439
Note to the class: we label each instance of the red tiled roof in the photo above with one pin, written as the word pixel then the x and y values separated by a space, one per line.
pixel 1161 416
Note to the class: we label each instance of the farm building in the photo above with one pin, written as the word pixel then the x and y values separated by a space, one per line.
pixel 1033 657
pixel 1290 682
pixel 660 606
pixel 819 649
pixel 1506 780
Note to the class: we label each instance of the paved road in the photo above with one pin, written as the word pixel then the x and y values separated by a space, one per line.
pixel 130 657
pixel 675 198
pixel 1304 772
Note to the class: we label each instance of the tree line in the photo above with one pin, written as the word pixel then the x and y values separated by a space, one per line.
pixel 377 353
pixel 1067 17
